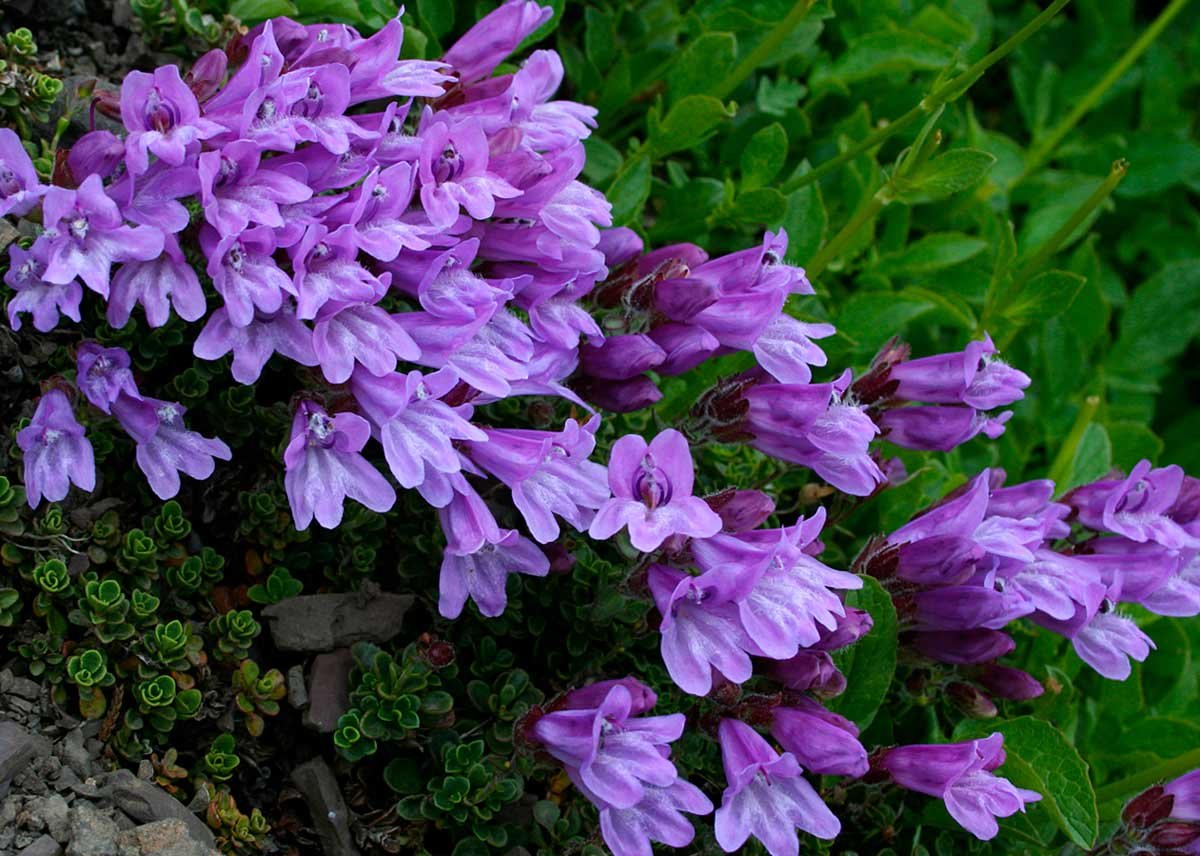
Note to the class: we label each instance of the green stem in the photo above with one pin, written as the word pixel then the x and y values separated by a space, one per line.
pixel 1047 250
pixel 1138 782
pixel 1060 470
pixel 838 242
pixel 944 94
pixel 763 50
pixel 1042 148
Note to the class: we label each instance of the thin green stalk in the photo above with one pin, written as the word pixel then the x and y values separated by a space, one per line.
pixel 940 96
pixel 838 242
pixel 1046 251
pixel 1042 148
pixel 1138 782
pixel 1060 470
pixel 763 50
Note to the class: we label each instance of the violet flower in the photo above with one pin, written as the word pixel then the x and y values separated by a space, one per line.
pixel 236 189
pixel 244 273
pixel 700 626
pixel 657 816
pixel 158 285
pixel 103 375
pixel 821 741
pixel 378 211
pixel 325 466
pixel 20 189
pixel 652 493
pixel 615 754
pixel 453 171
pixel 417 429
pixel 548 473
pixel 493 37
pixel 1185 791
pixel 766 797
pixel 972 377
pixel 56 452
pixel 1136 507
pixel 162 117
pixel 482 575
pixel 254 343
pixel 85 235
pixel 961 775
pixel 165 447
pixel 42 300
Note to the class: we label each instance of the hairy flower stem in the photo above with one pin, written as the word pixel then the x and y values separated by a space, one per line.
pixel 763 50
pixel 1130 785
pixel 1043 148
pixel 936 99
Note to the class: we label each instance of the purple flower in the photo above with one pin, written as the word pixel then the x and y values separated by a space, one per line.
pixel 236 190
pixel 960 774
pixel 972 377
pixel 85 235
pixel 326 269
pixel 376 72
pixel 493 37
pixel 962 647
pixel 103 375
pixel 657 816
pixel 346 334
pixel 162 117
pixel 465 518
pixel 253 344
pixel 417 429
pixel 548 473
pixel 19 185
pixel 613 753
pixel 785 348
pixel 56 452
pixel 700 626
pixel 821 741
pixel 453 171
pixel 766 797
pixel 938 428
pixel 1103 638
pixel 244 272
pixel 159 284
pixel 621 357
pixel 165 447
pixel 325 465
pixel 378 211
pixel 153 198
pixel 741 510
pixel 652 493
pixel 98 152
pixel 1185 791
pixel 1136 506
pixel 482 575
pixel 35 296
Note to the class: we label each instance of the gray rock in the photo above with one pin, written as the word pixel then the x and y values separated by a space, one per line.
pixel 75 754
pixel 8 234
pixel 92 833
pixel 146 802
pixel 322 622
pixel 25 688
pixel 18 749
pixel 55 813
pixel 331 818
pixel 44 846
pixel 329 690
pixel 297 692
pixel 169 837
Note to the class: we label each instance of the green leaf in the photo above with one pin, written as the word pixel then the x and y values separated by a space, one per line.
pixel 629 190
pixel 1092 458
pixel 945 175
pixel 328 10
pixel 687 124
pixel 1041 759
pixel 437 16
pixel 931 253
pixel 763 157
pixel 254 11
pixel 893 53
pixel 765 206
pixel 404 776
pixel 703 61
pixel 1161 320
pixel 1044 296
pixel 599 36
pixel 870 663
pixel 806 222
pixel 603 160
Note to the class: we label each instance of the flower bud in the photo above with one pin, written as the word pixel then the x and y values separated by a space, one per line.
pixel 1009 683
pixel 1148 808
pixel 971 701
pixel 207 74
pixel 1174 834
pixel 622 396
pixel 741 510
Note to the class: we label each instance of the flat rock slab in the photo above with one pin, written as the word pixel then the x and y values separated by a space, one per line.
pixel 322 622
pixel 170 837
pixel 328 690
pixel 146 802
pixel 44 846
pixel 18 749
pixel 330 817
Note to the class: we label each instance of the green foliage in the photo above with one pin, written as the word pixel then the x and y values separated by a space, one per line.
pixel 234 632
pixel 26 92
pixel 221 759
pixel 183 26
pixel 280 585
pixel 257 694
